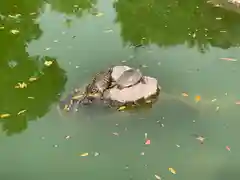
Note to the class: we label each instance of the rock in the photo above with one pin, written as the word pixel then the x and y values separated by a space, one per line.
pixel 134 93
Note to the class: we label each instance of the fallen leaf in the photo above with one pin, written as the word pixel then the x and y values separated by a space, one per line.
pixel 157 177
pixel 4 115
pixel 238 102
pixel 31 79
pixel 184 94
pixel 21 85
pixel 99 14
pixel 14 31
pixel 48 63
pixel 173 171
pixel 121 108
pixel 22 111
pixel 115 133
pixel 228 148
pixel 84 154
pixel 77 97
pixel 148 142
pixel 228 59
pixel 197 98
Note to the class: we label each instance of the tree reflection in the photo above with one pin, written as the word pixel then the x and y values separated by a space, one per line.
pixel 16 66
pixel 72 7
pixel 167 23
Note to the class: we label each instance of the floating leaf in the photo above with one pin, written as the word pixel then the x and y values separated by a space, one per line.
pixel 121 108
pixel 184 94
pixel 173 171
pixel 32 79
pixel 157 177
pixel 14 31
pixel 228 148
pixel 99 14
pixel 21 85
pixel 4 115
pixel 48 63
pixel 197 98
pixel 84 154
pixel 21 112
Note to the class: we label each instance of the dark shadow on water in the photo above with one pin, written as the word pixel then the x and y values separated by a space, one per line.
pixel 16 66
pixel 168 23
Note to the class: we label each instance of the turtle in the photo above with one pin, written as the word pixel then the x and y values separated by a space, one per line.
pixel 129 78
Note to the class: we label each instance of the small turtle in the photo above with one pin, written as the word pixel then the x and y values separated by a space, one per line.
pixel 129 78
pixel 100 82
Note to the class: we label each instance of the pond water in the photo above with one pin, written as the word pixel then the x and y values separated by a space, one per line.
pixel 60 44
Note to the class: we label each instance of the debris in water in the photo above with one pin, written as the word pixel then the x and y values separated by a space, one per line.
pixel 237 102
pixel 217 108
pixel 121 108
pixel 30 97
pixel 197 98
pixel 55 146
pixel 48 63
pixel 184 94
pixel 96 154
pixel 142 153
pixel 84 154
pixel 228 59
pixel 55 41
pixel 48 48
pixel 228 148
pixel 115 133
pixel 157 177
pixel 99 14
pixel 145 135
pixel 199 138
pixel 218 18
pixel 31 79
pixel 21 112
pixel 173 171
pixel 108 31
pixel 67 137
pixel 21 85
pixel 178 145
pixel 148 142
pixel 14 31
pixel 213 100
pixel 4 115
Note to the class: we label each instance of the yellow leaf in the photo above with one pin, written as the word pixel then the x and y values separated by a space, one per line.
pixel 121 108
pixel 77 96
pixel 172 170
pixel 31 79
pixel 84 154
pixel 22 111
pixel 48 63
pixel 4 115
pixel 21 85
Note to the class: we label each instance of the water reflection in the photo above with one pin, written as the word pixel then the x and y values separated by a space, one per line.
pixel 18 29
pixel 168 23
pixel 72 7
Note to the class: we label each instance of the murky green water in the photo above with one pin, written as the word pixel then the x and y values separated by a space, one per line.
pixel 184 41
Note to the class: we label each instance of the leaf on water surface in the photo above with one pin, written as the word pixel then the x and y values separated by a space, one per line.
pixel 237 102
pixel 99 14
pixel 14 31
pixel 84 154
pixel 4 115
pixel 173 171
pixel 228 148
pixel 31 79
pixel 21 112
pixel 157 177
pixel 115 133
pixel 148 142
pixel 121 108
pixel 228 59
pixel 184 94
pixel 48 63
pixel 21 85
pixel 197 98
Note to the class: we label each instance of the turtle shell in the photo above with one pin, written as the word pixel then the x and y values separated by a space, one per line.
pixel 129 78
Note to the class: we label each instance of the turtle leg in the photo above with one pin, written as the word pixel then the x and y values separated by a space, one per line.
pixel 142 80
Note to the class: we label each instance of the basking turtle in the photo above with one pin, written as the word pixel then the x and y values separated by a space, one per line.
pixel 129 78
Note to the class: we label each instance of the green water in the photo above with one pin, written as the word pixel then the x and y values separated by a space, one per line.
pixel 183 43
